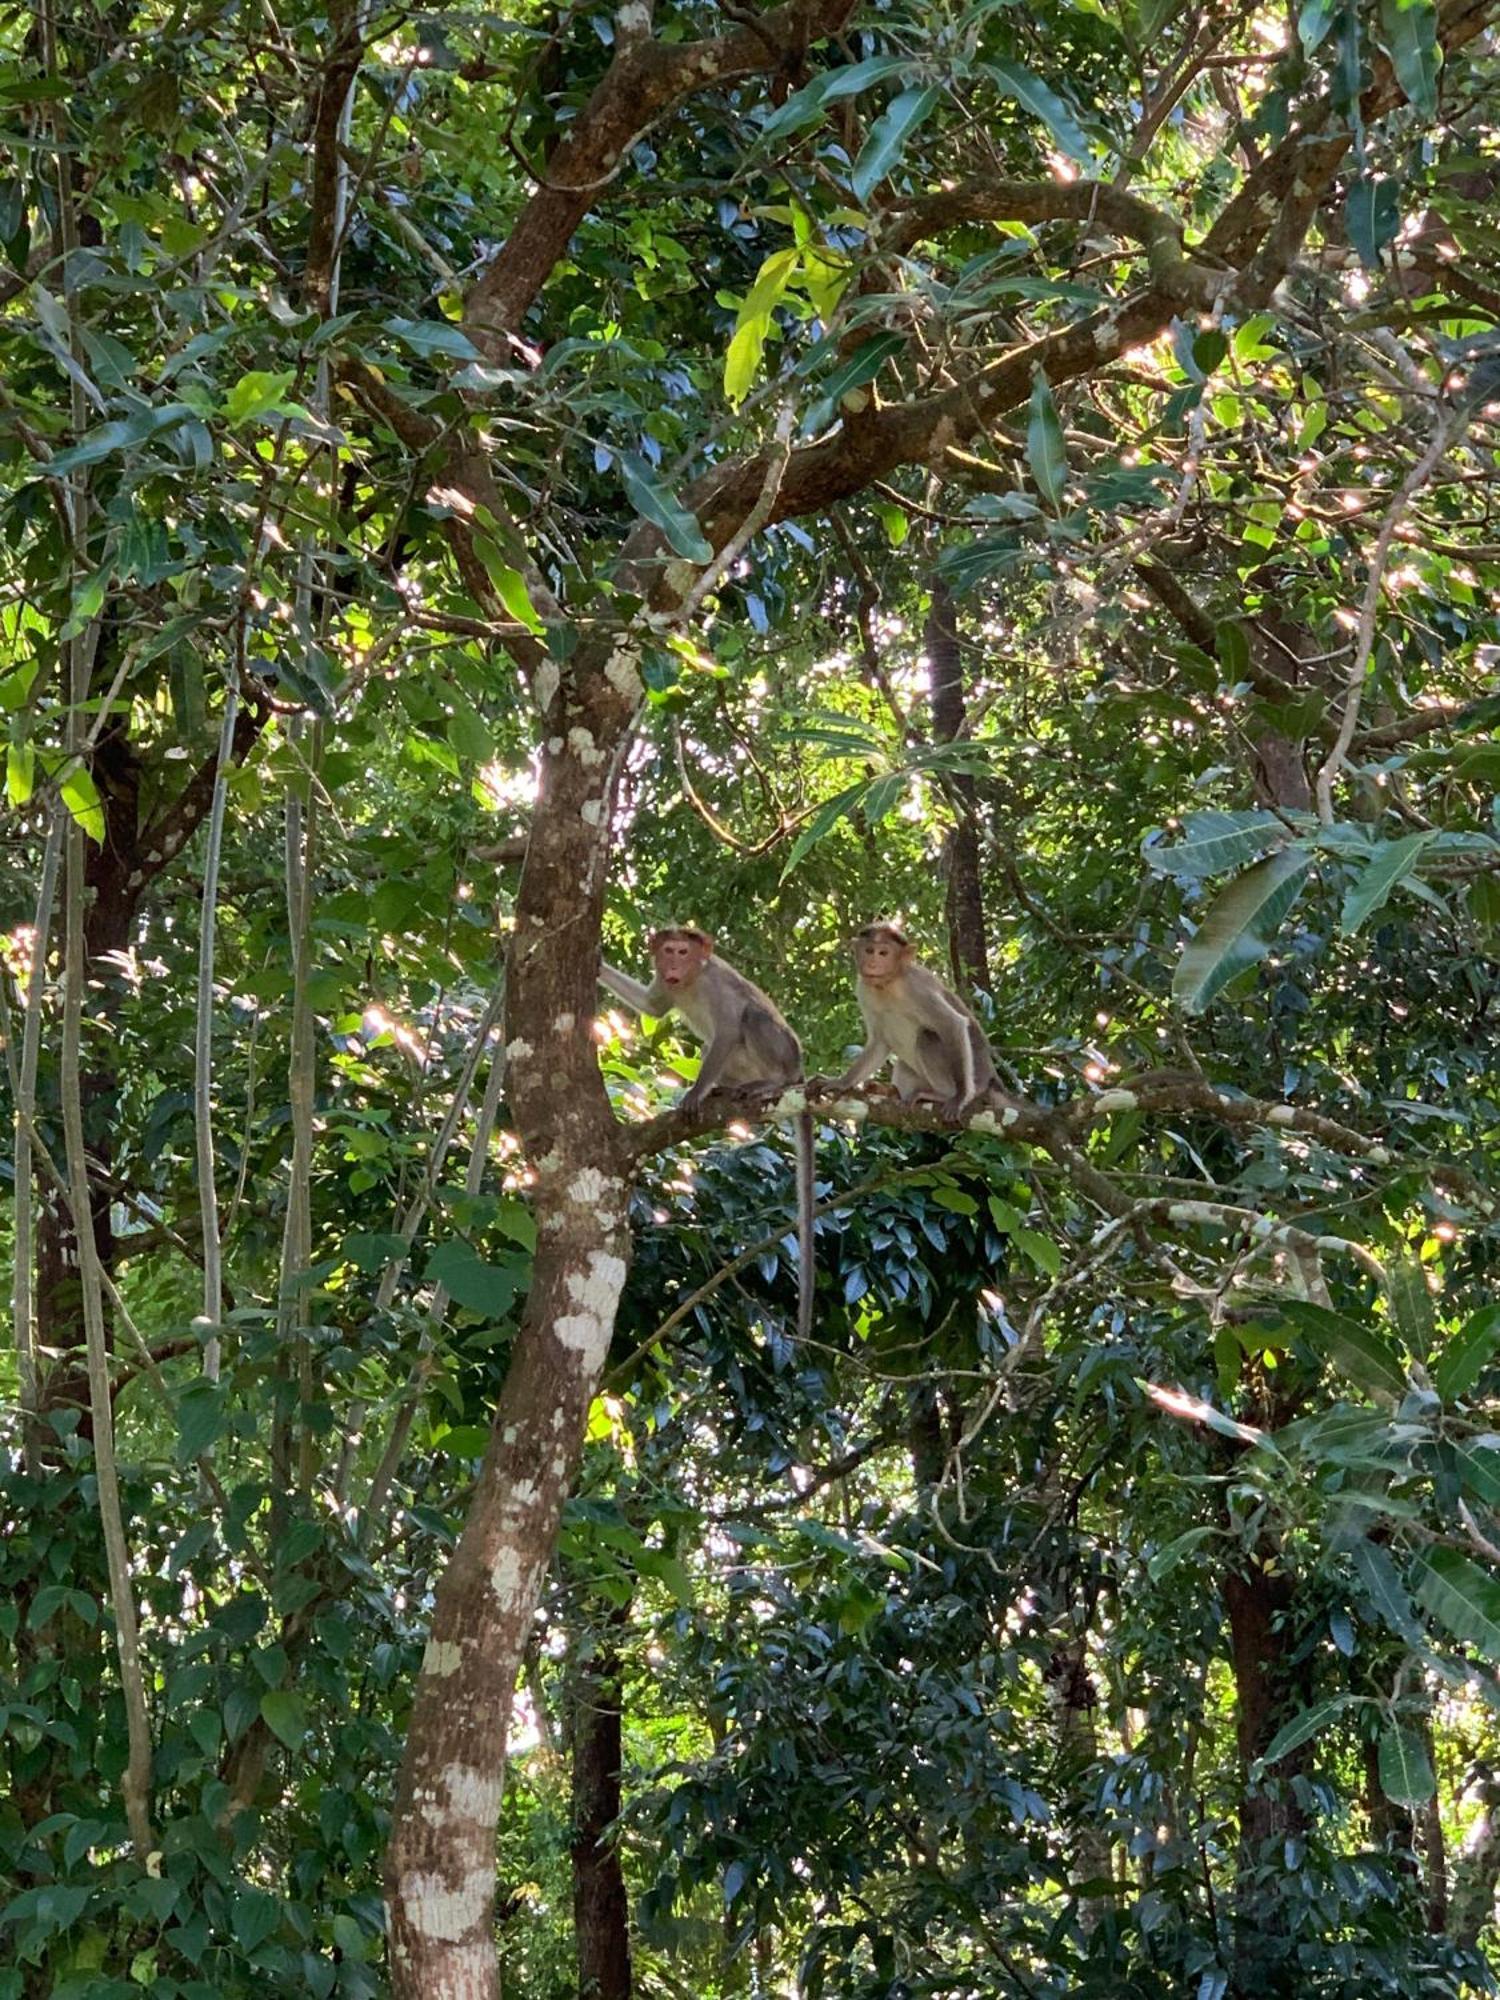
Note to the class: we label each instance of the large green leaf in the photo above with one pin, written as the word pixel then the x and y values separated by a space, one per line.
pixel 1045 449
pixel 862 366
pixel 285 1715
pixel 1391 865
pixel 805 106
pixel 1410 1303
pixel 663 509
pixel 1408 28
pixel 1405 1772
pixel 1302 1728
pixel 1356 1350
pixel 1372 216
pixel 1462 1597
pixel 1238 929
pixel 1214 842
pixel 483 1288
pixel 887 137
pixel 1385 1591
pixel 1043 102
pixel 1467 1355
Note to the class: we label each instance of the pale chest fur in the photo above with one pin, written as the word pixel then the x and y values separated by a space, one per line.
pixel 891 1018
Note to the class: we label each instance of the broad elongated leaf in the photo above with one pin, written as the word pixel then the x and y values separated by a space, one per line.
pixel 285 1715
pixel 862 366
pixel 1372 216
pixel 805 106
pixel 1302 1728
pixel 1356 1350
pixel 823 820
pixel 1213 842
pixel 81 797
pixel 1391 865
pixel 1463 1598
pixel 1167 1558
pixel 1408 28
pixel 1467 1354
pixel 1238 929
pixel 1477 1463
pixel 1386 1592
pixel 663 509
pixel 484 1288
pixel 1411 1304
pixel 886 141
pixel 1314 20
pixel 1045 450
pixel 1405 1772
pixel 1043 102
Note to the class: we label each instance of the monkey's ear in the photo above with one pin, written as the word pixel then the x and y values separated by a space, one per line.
pixel 705 944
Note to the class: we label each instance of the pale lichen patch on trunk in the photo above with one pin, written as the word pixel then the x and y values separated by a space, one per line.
pixel 506 1573
pixel 442 1657
pixel 471 1794
pixel 435 1910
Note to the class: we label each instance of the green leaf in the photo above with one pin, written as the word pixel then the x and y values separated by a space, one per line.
pixel 20 772
pixel 1386 1592
pixel 1043 102
pixel 1302 1728
pixel 1314 19
pixel 1391 865
pixel 1356 1350
pixel 1237 931
pixel 742 360
pixel 1462 1597
pixel 1213 842
pixel 887 137
pixel 1045 451
pixel 285 1715
pixel 823 821
pixel 662 509
pixel 862 366
pixel 81 797
pixel 510 588
pixel 429 337
pixel 1171 1554
pixel 1408 30
pixel 1042 1251
pixel 1411 1304
pixel 257 394
pixel 1405 1773
pixel 1372 215
pixel 1234 650
pixel 1478 1463
pixel 489 1289
pixel 805 106
pixel 1466 1356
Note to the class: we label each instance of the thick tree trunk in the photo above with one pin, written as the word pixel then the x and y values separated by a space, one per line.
pixel 1075 1702
pixel 1476 1872
pixel 964 892
pixel 601 1908
pixel 1270 1687
pixel 440 1868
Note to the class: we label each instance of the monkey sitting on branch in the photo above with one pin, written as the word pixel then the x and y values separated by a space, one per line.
pixel 942 1056
pixel 747 1045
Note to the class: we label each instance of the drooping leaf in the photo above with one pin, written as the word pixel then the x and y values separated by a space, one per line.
pixel 1372 216
pixel 1410 1303
pixel 1408 29
pixel 1391 865
pixel 285 1715
pixel 862 366
pixel 1046 452
pixel 1467 1355
pixel 805 106
pixel 1237 931
pixel 1405 1771
pixel 1314 20
pixel 1302 1728
pixel 1386 1593
pixel 823 820
pixel 1043 102
pixel 663 509
pixel 906 113
pixel 1464 1598
pixel 1214 842
pixel 81 797
pixel 484 1288
pixel 434 336
pixel 1356 1350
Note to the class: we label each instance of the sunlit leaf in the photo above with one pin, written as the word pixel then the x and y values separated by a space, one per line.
pixel 1046 453
pixel 663 509
pixel 1043 102
pixel 1466 1356
pixel 1356 1350
pixel 1462 1597
pixel 887 138
pixel 1408 29
pixel 1237 931
pixel 1405 1771
pixel 1391 865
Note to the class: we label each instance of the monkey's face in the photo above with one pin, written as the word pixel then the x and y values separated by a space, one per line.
pixel 679 959
pixel 879 957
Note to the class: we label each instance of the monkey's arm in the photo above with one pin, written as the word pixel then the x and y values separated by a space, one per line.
pixel 652 1000
pixel 870 1058
pixel 939 1011
pixel 728 1036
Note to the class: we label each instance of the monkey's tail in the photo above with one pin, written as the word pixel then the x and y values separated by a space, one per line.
pixel 805 1192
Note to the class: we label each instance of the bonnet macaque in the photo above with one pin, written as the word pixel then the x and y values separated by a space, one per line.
pixel 747 1044
pixel 941 1053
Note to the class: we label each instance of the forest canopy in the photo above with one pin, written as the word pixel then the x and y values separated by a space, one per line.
pixel 479 488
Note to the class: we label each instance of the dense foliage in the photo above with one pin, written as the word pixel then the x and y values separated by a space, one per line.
pixel 1038 470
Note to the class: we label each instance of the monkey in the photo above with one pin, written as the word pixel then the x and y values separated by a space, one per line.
pixel 747 1043
pixel 941 1052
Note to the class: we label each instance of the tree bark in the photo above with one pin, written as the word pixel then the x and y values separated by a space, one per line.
pixel 968 952
pixel 601 1907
